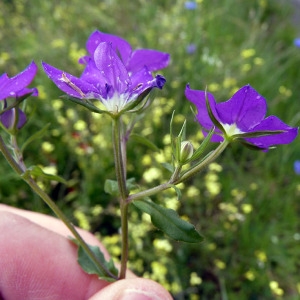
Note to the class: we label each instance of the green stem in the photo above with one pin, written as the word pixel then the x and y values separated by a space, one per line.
pixel 124 228
pixel 29 180
pixel 194 170
pixel 149 192
pixel 120 166
pixel 176 178
pixel 119 155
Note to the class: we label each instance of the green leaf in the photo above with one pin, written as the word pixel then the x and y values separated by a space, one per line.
pixel 169 222
pixel 111 187
pixel 142 140
pixel 89 267
pixel 177 190
pixel 169 167
pixel 35 136
pixel 37 171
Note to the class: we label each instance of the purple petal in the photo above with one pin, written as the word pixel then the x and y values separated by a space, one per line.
pixel 154 60
pixel 91 74
pixel 246 108
pixel 70 84
pixel 118 44
pixel 142 77
pixel 143 80
pixel 4 79
pixel 8 118
pixel 273 123
pixel 198 99
pixel 111 67
pixel 11 86
pixel 25 91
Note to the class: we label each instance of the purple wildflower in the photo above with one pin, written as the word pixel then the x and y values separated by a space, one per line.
pixel 297 42
pixel 242 117
pixel 106 78
pixel 190 5
pixel 134 61
pixel 16 88
pixel 297 167
pixel 191 48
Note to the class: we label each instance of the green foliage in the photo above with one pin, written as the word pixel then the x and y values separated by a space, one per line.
pixel 169 222
pixel 248 213
pixel 89 267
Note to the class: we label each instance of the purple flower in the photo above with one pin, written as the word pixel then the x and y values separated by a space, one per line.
pixel 242 117
pixel 191 48
pixel 16 88
pixel 106 78
pixel 297 42
pixel 297 167
pixel 135 60
pixel 190 5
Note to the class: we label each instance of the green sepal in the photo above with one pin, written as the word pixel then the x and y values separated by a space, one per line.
pixel 87 104
pixel 211 115
pixel 18 101
pixel 168 221
pixel 256 134
pixel 202 147
pixel 144 141
pixel 138 104
pixel 38 172
pixel 89 267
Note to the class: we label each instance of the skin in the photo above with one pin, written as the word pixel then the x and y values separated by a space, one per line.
pixel 38 261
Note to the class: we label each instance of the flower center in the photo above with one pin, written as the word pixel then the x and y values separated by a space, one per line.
pixel 231 129
pixel 116 103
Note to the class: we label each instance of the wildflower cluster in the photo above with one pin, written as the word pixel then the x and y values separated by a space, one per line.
pixel 117 80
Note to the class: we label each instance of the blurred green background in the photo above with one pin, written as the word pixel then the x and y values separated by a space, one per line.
pixel 246 204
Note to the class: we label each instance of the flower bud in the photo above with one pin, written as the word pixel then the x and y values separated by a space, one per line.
pixel 186 151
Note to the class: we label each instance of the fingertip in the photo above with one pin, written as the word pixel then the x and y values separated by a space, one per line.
pixel 133 289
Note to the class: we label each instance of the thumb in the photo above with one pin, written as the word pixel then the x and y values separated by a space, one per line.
pixel 133 289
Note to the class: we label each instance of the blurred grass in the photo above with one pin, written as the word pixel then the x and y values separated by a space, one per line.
pixel 248 211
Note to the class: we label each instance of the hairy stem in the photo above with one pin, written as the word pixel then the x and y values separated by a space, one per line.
pixel 21 170
pixel 120 165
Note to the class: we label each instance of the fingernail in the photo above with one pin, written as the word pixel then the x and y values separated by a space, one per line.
pixel 137 295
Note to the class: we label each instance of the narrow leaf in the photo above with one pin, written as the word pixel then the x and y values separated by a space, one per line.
pixel 169 167
pixel 89 267
pixel 169 222
pixel 177 190
pixel 37 171
pixel 142 140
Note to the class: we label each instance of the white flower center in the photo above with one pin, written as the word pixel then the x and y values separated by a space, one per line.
pixel 116 103
pixel 231 129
